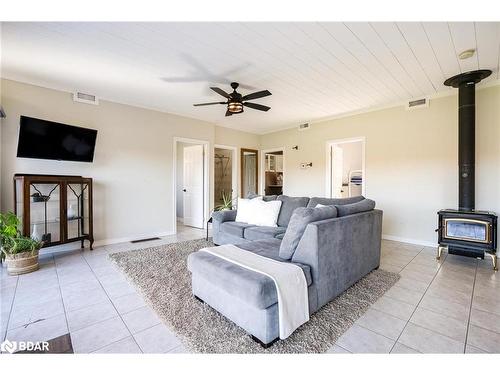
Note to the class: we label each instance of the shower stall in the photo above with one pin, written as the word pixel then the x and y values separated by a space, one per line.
pixel 223 175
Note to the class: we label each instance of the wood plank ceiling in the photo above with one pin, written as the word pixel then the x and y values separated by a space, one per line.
pixel 314 70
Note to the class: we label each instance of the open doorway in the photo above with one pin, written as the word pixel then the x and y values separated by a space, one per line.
pixel 225 176
pixel 346 168
pixel 272 172
pixel 190 182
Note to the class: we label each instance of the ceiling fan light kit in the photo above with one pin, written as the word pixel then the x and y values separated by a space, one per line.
pixel 235 107
pixel 235 101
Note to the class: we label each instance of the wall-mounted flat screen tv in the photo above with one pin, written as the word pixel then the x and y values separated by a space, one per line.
pixel 41 139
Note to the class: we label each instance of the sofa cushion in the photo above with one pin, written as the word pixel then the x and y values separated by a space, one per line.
pixel 288 206
pixel 270 248
pixel 249 286
pixel 301 217
pixel 260 233
pixel 333 201
pixel 354 208
pixel 235 228
pixel 280 236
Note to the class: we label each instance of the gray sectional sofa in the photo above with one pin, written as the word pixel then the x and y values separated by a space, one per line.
pixel 335 246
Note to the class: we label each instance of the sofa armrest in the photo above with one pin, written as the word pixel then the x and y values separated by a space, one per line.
pixel 222 216
pixel 340 251
pixel 219 217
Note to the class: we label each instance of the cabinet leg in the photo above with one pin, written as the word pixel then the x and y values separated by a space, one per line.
pixel 92 244
pixel 83 244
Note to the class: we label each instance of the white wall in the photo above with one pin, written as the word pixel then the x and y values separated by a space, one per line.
pixel 132 168
pixel 411 160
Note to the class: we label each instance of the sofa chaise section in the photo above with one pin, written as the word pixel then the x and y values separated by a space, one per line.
pixel 246 297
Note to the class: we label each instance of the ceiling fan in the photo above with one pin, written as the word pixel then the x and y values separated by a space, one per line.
pixel 235 101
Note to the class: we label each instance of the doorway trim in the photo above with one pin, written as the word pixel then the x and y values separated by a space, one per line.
pixel 328 174
pixel 234 168
pixel 263 167
pixel 206 178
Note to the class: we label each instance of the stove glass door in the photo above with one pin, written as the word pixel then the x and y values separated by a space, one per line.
pixel 467 230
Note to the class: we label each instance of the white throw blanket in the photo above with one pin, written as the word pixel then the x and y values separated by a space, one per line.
pixel 290 281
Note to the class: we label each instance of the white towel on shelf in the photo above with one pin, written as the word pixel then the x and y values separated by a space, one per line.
pixel 289 279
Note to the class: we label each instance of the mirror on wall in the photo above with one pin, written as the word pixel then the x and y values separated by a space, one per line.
pixel 249 171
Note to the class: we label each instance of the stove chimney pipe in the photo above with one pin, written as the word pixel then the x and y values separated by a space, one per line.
pixel 466 84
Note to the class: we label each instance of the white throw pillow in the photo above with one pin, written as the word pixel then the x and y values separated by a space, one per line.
pixel 245 207
pixel 257 212
pixel 265 213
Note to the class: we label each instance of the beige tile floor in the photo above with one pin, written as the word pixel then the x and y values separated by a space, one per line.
pixel 451 306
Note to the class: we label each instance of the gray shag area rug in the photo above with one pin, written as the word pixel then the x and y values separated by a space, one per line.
pixel 161 276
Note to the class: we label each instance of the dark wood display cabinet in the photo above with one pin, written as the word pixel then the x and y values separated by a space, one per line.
pixel 54 209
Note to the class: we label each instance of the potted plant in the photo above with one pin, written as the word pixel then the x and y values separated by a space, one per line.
pixel 20 253
pixel 227 202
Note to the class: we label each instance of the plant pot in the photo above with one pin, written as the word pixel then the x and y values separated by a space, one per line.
pixel 18 264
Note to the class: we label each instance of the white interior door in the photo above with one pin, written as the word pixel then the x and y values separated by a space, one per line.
pixel 193 186
pixel 337 171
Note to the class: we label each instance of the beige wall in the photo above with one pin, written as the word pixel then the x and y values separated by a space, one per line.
pixel 132 168
pixel 411 160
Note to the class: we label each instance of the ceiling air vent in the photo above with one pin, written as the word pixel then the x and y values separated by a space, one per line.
pixel 85 98
pixel 418 103
pixel 304 126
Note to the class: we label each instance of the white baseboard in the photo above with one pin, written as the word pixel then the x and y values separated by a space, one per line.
pixel 409 240
pixel 109 241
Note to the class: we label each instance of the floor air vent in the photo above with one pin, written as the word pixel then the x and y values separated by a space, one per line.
pixel 145 239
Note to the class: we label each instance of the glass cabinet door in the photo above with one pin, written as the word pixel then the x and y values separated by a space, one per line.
pixel 44 212
pixel 77 210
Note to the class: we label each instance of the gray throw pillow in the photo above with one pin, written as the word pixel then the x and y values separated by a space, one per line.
pixel 288 207
pixel 313 202
pixel 265 198
pixel 297 225
pixel 354 208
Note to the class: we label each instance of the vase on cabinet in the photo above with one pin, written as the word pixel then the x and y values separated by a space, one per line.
pixel 72 212
pixel 37 233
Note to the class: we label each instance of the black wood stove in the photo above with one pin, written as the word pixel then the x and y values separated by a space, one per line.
pixel 466 231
